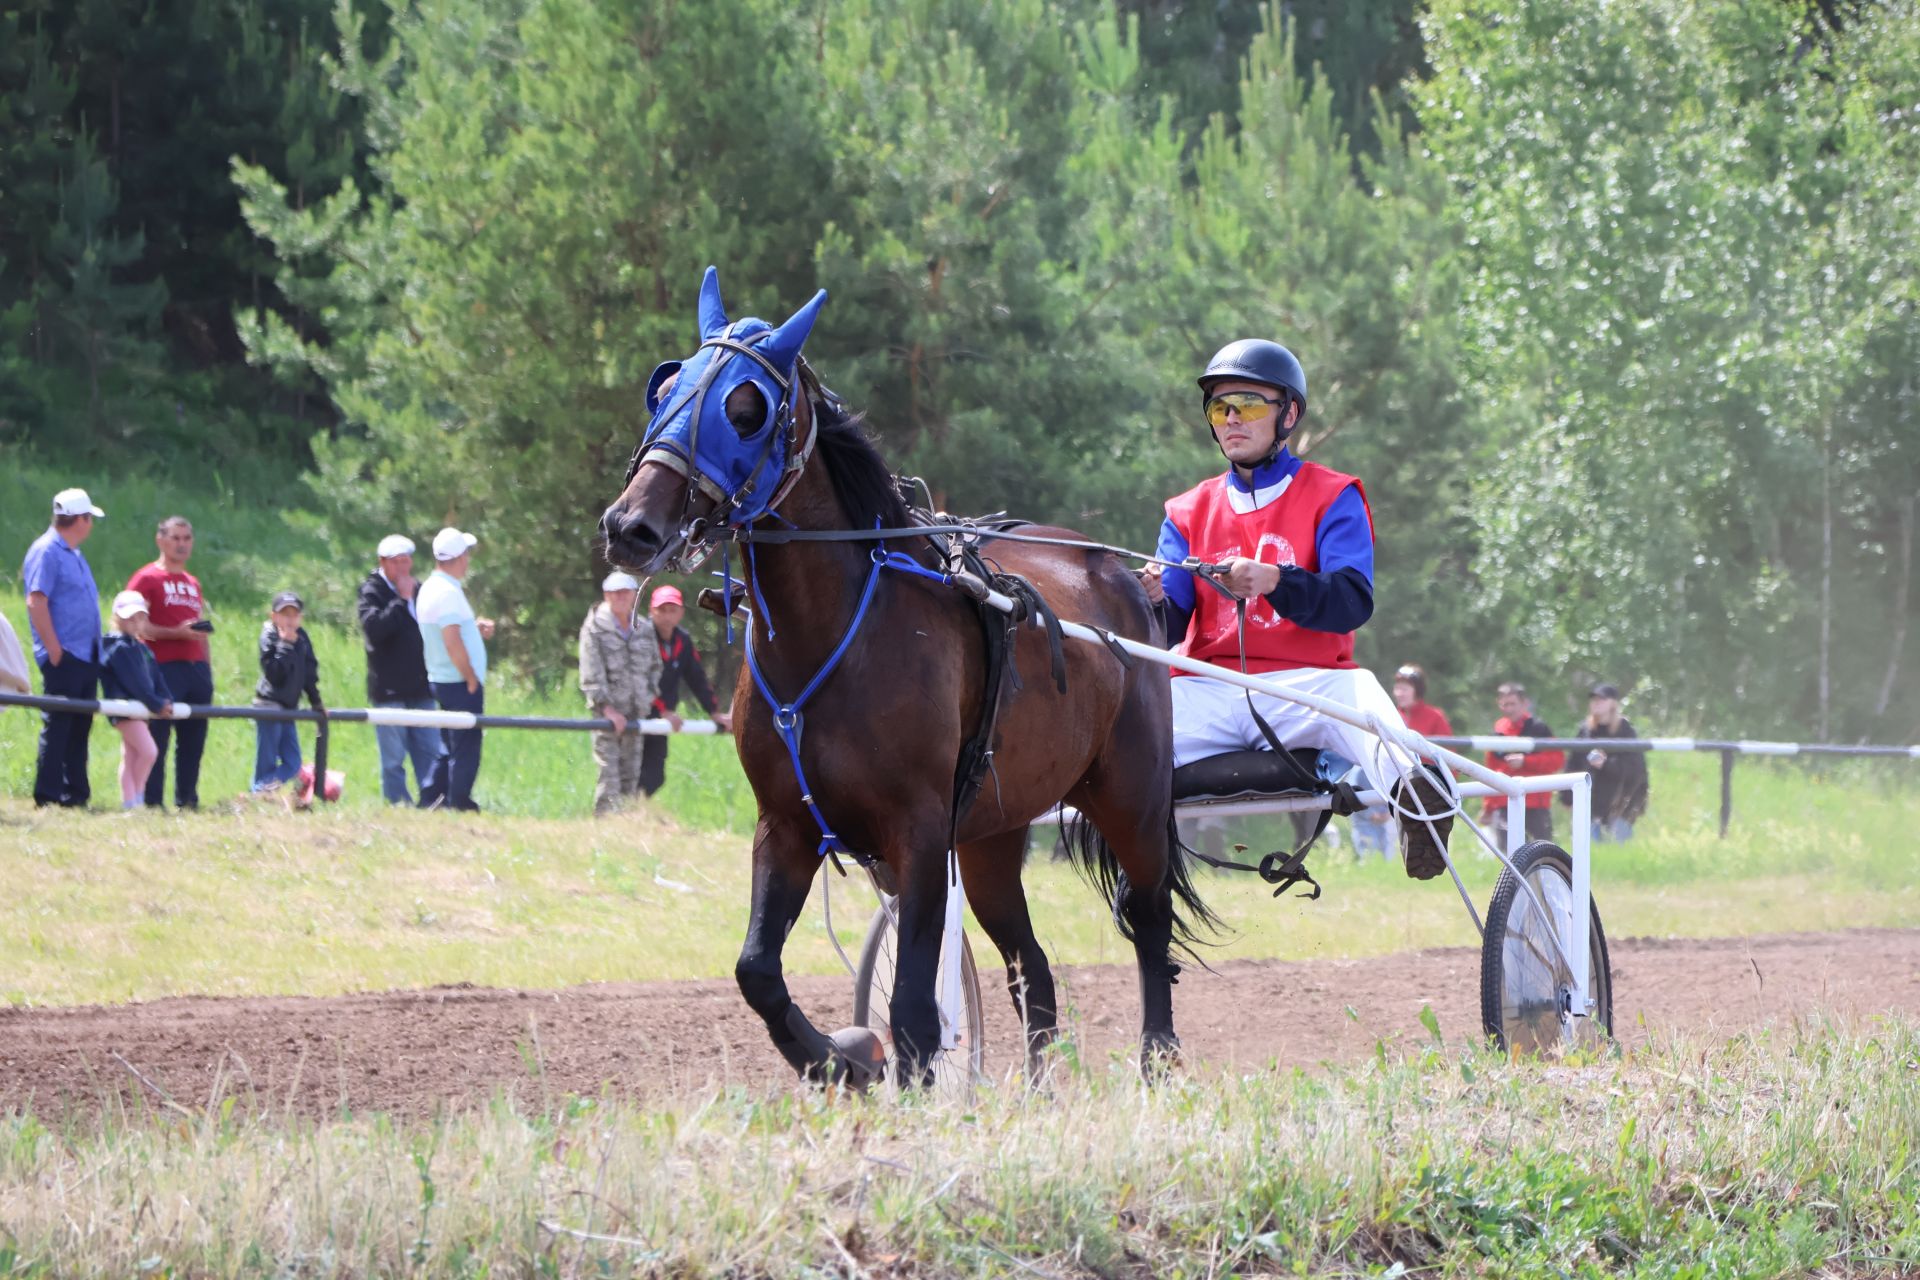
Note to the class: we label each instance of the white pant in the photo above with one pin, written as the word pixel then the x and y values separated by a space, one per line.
pixel 1210 717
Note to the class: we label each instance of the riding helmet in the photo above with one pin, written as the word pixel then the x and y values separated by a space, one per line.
pixel 1257 360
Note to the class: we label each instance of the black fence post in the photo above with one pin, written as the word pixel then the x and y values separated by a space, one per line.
pixel 1726 789
pixel 320 760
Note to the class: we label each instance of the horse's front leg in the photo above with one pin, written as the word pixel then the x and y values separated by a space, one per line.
pixel 784 865
pixel 914 1012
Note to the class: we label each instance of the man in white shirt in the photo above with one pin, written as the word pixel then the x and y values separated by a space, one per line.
pixel 454 641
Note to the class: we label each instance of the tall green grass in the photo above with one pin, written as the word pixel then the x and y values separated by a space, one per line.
pixel 1785 1153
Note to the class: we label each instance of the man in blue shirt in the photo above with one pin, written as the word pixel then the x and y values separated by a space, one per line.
pixel 63 609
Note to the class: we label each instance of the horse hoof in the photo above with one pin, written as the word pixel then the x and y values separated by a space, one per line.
pixel 859 1059
pixel 1159 1059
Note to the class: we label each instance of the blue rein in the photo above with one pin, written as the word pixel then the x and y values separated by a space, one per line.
pixel 788 721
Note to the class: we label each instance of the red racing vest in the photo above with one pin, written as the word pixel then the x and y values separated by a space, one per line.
pixel 1285 531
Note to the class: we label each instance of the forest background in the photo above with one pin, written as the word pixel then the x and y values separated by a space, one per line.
pixel 1611 305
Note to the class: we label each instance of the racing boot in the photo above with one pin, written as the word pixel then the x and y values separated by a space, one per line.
pixel 1421 842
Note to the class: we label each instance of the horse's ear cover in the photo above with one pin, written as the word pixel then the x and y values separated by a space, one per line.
pixel 783 345
pixel 661 373
pixel 713 316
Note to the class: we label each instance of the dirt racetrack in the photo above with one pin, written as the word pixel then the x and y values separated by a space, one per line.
pixel 409 1052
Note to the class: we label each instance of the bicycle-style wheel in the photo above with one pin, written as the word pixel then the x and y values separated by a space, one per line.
pixel 955 1069
pixel 1526 987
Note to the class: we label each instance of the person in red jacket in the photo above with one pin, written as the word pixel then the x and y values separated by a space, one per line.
pixel 1294 544
pixel 1518 721
pixel 1371 828
pixel 679 663
pixel 1410 695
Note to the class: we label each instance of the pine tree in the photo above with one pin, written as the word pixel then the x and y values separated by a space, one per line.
pixel 105 320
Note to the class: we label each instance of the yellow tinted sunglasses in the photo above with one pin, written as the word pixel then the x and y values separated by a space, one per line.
pixel 1250 405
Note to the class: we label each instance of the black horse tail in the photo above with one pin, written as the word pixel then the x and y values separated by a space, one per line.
pixel 1194 923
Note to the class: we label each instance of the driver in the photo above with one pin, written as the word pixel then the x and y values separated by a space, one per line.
pixel 1295 542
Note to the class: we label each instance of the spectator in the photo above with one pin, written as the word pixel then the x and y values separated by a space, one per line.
pixel 1373 829
pixel 129 671
pixel 14 676
pixel 454 641
pixel 1619 777
pixel 397 670
pixel 679 661
pixel 176 632
pixel 1410 695
pixel 63 614
pixel 620 676
pixel 288 668
pixel 1518 721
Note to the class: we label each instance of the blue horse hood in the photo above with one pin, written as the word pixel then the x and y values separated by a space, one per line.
pixel 738 461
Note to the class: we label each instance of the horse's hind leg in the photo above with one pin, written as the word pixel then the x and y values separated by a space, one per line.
pixel 1139 837
pixel 783 870
pixel 990 870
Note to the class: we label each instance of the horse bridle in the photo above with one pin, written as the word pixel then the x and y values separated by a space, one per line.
pixel 796 404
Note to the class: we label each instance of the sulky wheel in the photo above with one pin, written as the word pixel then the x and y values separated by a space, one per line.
pixel 954 1070
pixel 1525 986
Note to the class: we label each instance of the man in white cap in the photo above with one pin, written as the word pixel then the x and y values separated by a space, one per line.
pixel 63 612
pixel 454 641
pixel 397 669
pixel 620 677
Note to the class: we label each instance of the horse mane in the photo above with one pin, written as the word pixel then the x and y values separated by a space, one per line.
pixel 862 480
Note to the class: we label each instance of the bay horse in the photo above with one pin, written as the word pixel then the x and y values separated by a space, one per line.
pixel 893 665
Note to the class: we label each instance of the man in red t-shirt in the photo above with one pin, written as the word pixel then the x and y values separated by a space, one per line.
pixel 177 630
pixel 1518 721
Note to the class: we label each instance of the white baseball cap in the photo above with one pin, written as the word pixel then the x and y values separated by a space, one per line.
pixel 618 581
pixel 395 544
pixel 451 544
pixel 74 502
pixel 128 603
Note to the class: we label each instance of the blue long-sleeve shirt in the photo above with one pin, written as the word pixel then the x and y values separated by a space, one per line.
pixel 1336 597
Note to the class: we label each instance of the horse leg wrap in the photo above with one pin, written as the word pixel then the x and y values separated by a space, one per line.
pixel 806 1049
